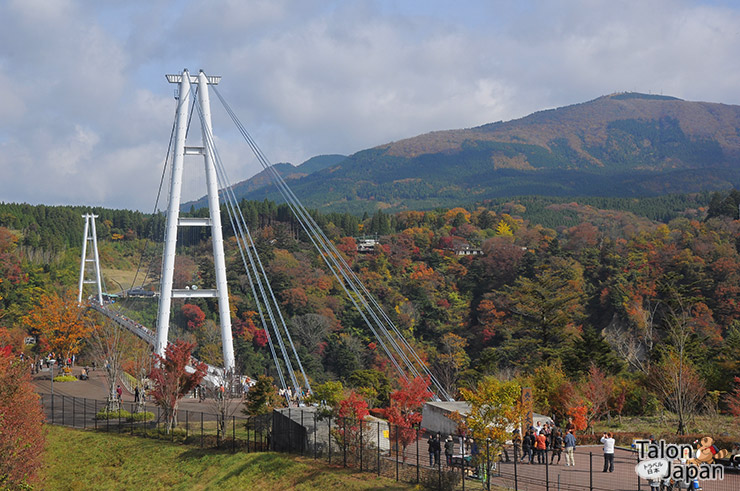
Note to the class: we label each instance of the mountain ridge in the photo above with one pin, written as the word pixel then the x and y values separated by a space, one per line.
pixel 622 144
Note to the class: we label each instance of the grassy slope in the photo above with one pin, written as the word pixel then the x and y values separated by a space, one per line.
pixel 78 459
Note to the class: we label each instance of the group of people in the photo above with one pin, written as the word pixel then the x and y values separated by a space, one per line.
pixel 468 448
pixel 294 398
pixel 540 439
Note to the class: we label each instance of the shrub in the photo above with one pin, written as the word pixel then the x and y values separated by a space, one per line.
pixel 65 378
pixel 120 414
pixel 142 416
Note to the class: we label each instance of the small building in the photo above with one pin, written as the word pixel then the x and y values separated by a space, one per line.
pixel 366 245
pixel 436 416
pixel 467 250
pixel 304 430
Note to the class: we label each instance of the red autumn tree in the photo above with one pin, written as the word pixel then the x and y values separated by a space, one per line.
pixel 578 413
pixel 21 423
pixel 172 381
pixel 351 421
pixel 194 316
pixel 404 412
pixel 597 389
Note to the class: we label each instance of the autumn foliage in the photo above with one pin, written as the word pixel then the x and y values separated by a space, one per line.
pixel 404 412
pixel 172 381
pixel 351 422
pixel 21 423
pixel 61 323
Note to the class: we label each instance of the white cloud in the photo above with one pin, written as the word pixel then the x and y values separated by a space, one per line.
pixel 85 112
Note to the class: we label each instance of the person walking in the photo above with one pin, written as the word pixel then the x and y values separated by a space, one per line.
pixel 608 441
pixel 430 449
pixel 570 447
pixel 449 448
pixel 119 393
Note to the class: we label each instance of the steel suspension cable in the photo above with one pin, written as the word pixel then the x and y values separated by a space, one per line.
pixel 255 262
pixel 331 254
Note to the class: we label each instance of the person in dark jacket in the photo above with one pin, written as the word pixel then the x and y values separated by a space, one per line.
pixel 528 446
pixel 556 446
pixel 430 449
pixel 449 449
pixel 437 449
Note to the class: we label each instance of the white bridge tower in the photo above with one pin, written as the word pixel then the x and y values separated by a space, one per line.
pixel 90 236
pixel 167 293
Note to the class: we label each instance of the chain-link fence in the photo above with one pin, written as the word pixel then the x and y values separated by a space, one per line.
pixel 405 454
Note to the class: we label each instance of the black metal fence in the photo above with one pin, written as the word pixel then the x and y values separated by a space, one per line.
pixel 373 446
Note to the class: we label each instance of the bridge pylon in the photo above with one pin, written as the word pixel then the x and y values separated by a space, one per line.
pixel 174 221
pixel 90 236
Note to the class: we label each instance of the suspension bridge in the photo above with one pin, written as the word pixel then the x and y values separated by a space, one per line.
pixel 193 105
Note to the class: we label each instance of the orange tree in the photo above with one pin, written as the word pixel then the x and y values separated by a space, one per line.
pixel 404 412
pixel 60 322
pixel 21 428
pixel 495 410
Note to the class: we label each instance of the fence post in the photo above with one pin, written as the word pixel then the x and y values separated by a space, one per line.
pixel 233 433
pixel 488 464
pixel 290 432
pixel 314 436
pixel 547 471
pixel 187 422
pixel 201 429
pixel 396 451
pixel 84 413
pixel 132 419
pixel 119 419
pixel 417 455
pixel 378 428
pixel 361 423
pixel 462 461
pixel 591 471
pixel 344 441
pixel 516 478
pixel 62 410
pixel 107 419
pixel 439 466
pixel 52 409
pixel 95 417
pixel 303 440
pixel 74 411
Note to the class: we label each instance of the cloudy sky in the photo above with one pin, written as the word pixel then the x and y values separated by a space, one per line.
pixel 86 113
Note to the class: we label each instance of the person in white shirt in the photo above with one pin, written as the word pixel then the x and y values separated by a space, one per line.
pixel 608 440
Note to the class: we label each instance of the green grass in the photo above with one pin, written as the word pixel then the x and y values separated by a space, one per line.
pixel 79 460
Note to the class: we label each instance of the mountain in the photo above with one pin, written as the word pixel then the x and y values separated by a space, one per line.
pixel 620 145
pixel 264 179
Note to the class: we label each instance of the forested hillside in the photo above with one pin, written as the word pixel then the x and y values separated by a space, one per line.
pixel 608 294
